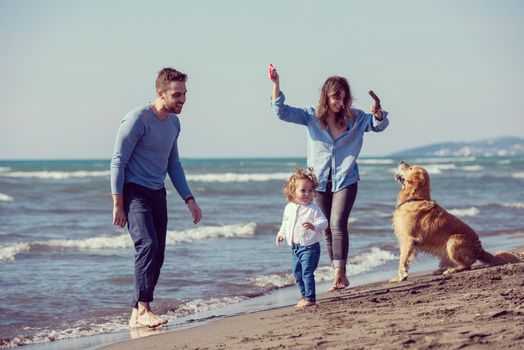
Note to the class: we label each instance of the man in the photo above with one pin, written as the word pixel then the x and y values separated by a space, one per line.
pixel 145 152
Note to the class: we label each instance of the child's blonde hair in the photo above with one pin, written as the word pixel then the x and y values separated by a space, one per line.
pixel 299 174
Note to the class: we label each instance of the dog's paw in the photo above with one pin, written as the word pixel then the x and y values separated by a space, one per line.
pixel 399 278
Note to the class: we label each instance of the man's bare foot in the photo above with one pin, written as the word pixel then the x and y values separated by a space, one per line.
pixel 133 320
pixel 305 303
pixel 147 318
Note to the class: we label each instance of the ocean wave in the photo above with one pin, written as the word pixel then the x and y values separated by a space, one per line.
pixel 113 323
pixel 8 252
pixel 238 177
pixel 514 205
pixel 443 160
pixel 375 161
pixel 472 167
pixel 81 328
pixel 504 161
pixel 55 175
pixel 5 198
pixel 201 305
pixel 465 212
pixel 360 264
pixel 4 169
pixel 123 241
pixel 434 169
pixel 519 175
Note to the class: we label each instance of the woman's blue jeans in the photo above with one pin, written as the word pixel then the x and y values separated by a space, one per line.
pixel 305 262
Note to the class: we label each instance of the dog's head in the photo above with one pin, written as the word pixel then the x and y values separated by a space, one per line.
pixel 414 180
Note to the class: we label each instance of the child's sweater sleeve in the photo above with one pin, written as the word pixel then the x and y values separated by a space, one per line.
pixel 282 231
pixel 321 223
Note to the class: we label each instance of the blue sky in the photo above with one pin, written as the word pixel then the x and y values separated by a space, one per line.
pixel 446 70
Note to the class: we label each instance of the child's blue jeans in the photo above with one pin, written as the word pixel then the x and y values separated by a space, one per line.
pixel 305 262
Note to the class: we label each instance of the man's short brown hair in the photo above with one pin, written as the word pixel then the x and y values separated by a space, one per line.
pixel 167 75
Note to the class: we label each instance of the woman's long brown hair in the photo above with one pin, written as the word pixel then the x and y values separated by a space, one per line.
pixel 332 87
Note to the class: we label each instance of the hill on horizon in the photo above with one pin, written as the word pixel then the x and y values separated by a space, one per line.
pixel 506 146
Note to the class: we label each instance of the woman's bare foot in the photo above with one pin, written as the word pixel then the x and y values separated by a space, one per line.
pixel 340 280
pixel 305 303
pixel 146 317
pixel 344 277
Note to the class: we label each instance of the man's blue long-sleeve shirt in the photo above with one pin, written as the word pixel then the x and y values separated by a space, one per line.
pixel 325 154
pixel 146 151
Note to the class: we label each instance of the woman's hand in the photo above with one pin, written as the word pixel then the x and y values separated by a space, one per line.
pixel 376 109
pixel 278 240
pixel 377 112
pixel 273 74
pixel 275 78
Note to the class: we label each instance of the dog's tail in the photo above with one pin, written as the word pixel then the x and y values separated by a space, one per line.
pixel 499 258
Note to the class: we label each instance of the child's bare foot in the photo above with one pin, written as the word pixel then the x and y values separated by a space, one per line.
pixel 305 303
pixel 301 301
pixel 147 318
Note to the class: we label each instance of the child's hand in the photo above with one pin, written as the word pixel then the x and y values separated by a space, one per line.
pixel 278 240
pixel 308 226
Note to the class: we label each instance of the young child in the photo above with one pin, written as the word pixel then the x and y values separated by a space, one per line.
pixel 302 227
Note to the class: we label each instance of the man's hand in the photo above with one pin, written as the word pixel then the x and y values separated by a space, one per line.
pixel 195 210
pixel 119 214
pixel 278 240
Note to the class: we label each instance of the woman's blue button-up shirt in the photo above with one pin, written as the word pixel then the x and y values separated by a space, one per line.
pixel 324 153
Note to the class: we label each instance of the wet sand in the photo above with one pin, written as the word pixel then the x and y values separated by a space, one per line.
pixel 478 309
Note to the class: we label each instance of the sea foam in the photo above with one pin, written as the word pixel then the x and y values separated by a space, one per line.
pixel 123 241
pixel 465 212
pixel 200 305
pixel 375 161
pixel 55 175
pixel 434 169
pixel 472 167
pixel 443 160
pixel 515 205
pixel 9 251
pixel 238 177
pixel 5 198
pixel 360 264
pixel 115 323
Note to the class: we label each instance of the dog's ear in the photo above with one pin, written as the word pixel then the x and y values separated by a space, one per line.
pixel 418 178
pixel 419 182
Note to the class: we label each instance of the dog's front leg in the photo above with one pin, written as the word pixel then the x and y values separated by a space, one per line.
pixel 407 249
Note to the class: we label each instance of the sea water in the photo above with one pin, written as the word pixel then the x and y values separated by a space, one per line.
pixel 66 272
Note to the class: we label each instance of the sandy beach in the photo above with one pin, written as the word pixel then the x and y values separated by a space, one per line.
pixel 478 309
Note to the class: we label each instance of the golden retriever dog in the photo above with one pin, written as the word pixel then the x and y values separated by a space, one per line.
pixel 421 225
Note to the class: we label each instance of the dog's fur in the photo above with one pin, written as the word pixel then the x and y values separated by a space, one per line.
pixel 421 225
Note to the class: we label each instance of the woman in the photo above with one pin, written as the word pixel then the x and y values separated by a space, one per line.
pixel 335 136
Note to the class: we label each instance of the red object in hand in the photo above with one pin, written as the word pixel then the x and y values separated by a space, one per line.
pixel 271 73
